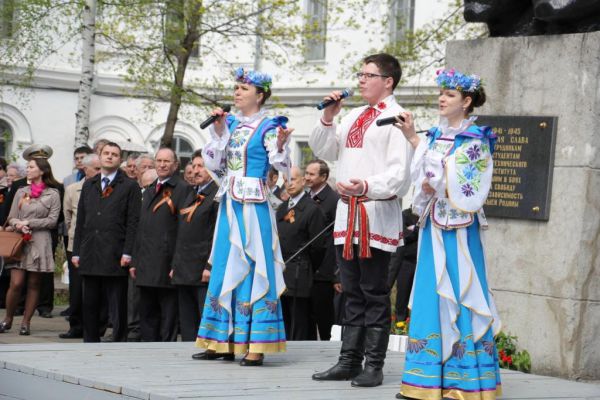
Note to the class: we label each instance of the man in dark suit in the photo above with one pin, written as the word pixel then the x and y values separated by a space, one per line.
pixel 325 283
pixel 105 231
pixel 155 248
pixel 190 272
pixel 299 220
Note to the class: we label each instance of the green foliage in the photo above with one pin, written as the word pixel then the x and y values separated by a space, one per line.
pixel 509 355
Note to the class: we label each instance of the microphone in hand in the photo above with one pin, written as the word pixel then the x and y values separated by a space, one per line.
pixel 213 118
pixel 388 121
pixel 326 103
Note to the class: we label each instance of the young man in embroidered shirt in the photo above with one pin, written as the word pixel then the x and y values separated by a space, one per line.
pixel 372 172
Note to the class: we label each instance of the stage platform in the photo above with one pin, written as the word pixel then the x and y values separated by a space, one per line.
pixel 161 371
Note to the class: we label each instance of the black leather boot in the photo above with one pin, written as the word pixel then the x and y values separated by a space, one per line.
pixel 350 361
pixel 376 343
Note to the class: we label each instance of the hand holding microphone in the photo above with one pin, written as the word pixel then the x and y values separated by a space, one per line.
pixel 334 98
pixel 216 115
pixel 407 126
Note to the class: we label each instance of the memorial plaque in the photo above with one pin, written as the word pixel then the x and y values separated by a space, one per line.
pixel 523 165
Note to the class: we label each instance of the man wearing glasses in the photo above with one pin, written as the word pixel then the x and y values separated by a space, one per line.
pixel 372 172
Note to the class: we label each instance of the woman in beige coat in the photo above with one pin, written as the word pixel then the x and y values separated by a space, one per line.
pixel 34 212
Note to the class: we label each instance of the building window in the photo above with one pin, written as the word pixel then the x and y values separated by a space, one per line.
pixel 7 15
pixel 316 30
pixel 305 154
pixel 5 139
pixel 402 19
pixel 184 151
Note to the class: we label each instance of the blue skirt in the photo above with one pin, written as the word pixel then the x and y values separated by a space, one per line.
pixel 462 364
pixel 237 318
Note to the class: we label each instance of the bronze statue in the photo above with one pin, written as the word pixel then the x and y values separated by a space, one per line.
pixel 534 17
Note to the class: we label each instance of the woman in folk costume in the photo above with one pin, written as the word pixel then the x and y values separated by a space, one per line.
pixel 242 312
pixel 451 352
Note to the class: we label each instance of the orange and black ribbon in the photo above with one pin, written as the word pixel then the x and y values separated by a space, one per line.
pixel 356 206
pixel 25 199
pixel 192 209
pixel 290 216
pixel 166 198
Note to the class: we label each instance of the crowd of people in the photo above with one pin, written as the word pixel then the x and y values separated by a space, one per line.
pixel 218 253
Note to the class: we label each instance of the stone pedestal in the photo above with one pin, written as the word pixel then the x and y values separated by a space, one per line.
pixel 546 275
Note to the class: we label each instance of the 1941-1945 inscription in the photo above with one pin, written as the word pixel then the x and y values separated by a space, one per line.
pixel 523 164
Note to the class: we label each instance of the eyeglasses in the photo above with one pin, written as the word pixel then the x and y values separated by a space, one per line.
pixel 367 75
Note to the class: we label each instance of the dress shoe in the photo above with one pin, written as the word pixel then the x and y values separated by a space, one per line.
pixel 66 312
pixel 210 355
pixel 252 363
pixel 399 396
pixel 5 326
pixel 45 314
pixel 107 339
pixel 71 334
pixel 24 331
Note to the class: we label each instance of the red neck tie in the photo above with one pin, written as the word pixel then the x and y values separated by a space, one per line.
pixel 158 186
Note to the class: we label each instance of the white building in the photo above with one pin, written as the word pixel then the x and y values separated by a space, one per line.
pixel 44 112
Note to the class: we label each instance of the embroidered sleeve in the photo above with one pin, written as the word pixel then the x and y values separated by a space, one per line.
pixel 469 175
pixel 214 152
pixel 280 160
pixel 427 164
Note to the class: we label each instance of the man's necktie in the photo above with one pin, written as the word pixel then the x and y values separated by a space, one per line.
pixel 291 204
pixel 158 186
pixel 105 182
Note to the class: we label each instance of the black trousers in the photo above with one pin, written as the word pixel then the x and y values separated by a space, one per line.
pixel 75 297
pixel 95 290
pixel 365 284
pixel 321 305
pixel 191 304
pixel 158 314
pixel 133 310
pixel 298 315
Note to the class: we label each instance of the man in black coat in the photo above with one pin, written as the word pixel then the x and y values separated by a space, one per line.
pixel 299 220
pixel 322 293
pixel 191 272
pixel 105 231
pixel 155 248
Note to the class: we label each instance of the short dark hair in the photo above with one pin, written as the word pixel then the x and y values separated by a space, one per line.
pixel 197 153
pixel 272 172
pixel 323 167
pixel 388 65
pixel 3 164
pixel 83 150
pixel 112 144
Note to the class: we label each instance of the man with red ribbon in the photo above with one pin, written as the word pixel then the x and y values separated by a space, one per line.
pixel 191 271
pixel 155 248
pixel 372 172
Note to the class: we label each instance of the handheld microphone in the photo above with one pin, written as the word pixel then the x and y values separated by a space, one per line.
pixel 213 118
pixel 388 121
pixel 326 103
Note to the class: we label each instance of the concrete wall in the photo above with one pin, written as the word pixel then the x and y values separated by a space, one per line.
pixel 546 275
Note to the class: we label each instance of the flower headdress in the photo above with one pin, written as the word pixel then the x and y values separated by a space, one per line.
pixel 452 79
pixel 255 78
